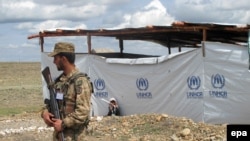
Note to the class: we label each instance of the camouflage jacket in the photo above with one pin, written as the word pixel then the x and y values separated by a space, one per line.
pixel 75 105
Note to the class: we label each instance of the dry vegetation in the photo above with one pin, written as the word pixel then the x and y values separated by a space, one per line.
pixel 20 89
pixel 21 98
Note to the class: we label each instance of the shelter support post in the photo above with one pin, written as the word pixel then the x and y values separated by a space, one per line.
pixel 204 38
pixel 249 49
pixel 89 43
pixel 41 41
pixel 121 47
pixel 168 44
pixel 179 48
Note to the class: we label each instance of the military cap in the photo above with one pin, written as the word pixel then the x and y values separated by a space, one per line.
pixel 62 47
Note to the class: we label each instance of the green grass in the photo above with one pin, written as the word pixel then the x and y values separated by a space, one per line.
pixel 10 111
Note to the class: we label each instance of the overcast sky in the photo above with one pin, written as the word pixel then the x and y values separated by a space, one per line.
pixel 21 18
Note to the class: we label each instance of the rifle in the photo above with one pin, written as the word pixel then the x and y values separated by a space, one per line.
pixel 52 102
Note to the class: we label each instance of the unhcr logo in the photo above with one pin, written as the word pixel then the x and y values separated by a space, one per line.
pixel 218 81
pixel 99 84
pixel 194 82
pixel 142 84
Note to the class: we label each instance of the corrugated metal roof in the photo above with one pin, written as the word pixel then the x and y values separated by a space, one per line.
pixel 179 34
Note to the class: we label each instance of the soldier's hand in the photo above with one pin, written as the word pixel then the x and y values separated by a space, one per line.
pixel 47 116
pixel 57 123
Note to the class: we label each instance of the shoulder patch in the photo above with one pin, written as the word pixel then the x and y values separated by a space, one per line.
pixel 78 90
pixel 78 85
pixel 79 82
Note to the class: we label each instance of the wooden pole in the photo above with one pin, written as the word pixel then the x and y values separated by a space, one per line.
pixel 179 48
pixel 204 38
pixel 169 46
pixel 121 47
pixel 41 41
pixel 248 49
pixel 89 43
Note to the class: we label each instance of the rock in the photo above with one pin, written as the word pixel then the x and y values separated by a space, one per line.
pixel 144 127
pixel 2 133
pixel 174 138
pixel 185 132
pixel 161 117
pixel 126 124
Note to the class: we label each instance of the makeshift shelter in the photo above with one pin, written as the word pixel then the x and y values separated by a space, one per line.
pixel 208 83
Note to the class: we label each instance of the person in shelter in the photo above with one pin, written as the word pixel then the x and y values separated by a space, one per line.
pixel 113 108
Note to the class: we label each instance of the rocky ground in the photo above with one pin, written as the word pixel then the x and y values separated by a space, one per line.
pixel 21 98
pixel 146 127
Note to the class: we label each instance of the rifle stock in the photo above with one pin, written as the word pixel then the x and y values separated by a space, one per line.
pixel 52 102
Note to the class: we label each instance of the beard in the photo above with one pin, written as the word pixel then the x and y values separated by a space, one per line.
pixel 60 66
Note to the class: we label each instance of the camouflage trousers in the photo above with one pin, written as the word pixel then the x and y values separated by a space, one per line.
pixel 71 135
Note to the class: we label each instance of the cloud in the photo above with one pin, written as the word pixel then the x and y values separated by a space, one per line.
pixel 12 46
pixel 28 45
pixel 26 11
pixel 228 11
pixel 26 25
pixel 21 18
pixel 53 15
pixel 50 25
pixel 11 10
pixel 152 14
pixel 113 2
pixel 74 3
pixel 232 4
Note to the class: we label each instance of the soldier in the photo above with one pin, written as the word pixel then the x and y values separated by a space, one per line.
pixel 73 92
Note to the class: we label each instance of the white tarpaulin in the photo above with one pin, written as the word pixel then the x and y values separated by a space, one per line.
pixel 213 89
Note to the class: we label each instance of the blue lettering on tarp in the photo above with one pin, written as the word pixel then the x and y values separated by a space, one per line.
pixel 144 95
pixel 218 94
pixel 101 94
pixel 194 95
pixel 194 83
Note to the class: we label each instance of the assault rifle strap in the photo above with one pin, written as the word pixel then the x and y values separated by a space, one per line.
pixel 73 80
pixel 76 76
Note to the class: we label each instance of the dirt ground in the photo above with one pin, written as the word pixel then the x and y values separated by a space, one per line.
pixel 21 99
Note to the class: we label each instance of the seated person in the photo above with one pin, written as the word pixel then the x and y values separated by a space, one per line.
pixel 113 107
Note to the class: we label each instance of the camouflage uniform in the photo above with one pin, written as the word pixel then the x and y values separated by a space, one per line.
pixel 75 106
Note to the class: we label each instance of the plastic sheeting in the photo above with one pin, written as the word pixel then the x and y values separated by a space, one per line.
pixel 212 89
